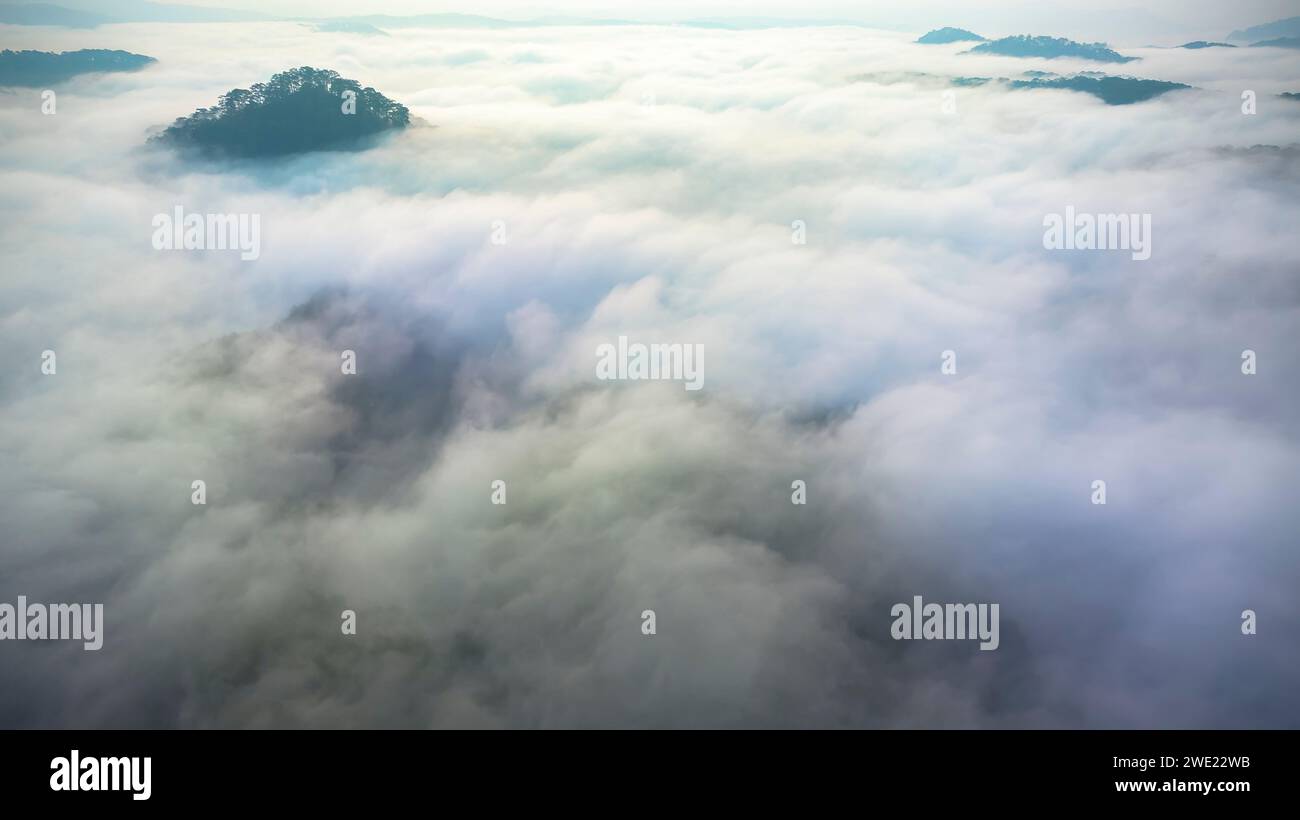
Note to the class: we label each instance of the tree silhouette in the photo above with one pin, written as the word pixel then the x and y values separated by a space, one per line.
pixel 298 110
pixel 1024 45
pixel 37 68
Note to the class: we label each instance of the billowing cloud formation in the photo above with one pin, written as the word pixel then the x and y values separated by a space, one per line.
pixel 645 181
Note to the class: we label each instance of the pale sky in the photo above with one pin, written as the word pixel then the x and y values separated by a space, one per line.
pixel 1121 21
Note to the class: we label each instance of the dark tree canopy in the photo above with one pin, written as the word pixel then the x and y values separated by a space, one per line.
pixel 299 110
pixel 41 68
pixel 1049 47
pixel 948 35
pixel 1111 90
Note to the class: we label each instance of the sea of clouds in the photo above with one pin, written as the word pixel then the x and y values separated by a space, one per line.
pixel 647 178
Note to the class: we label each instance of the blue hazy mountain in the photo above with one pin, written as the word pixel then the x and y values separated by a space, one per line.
pixel 47 14
pixel 1289 95
pixel 751 23
pixel 948 34
pixel 1111 90
pixel 295 111
pixel 1206 44
pixel 119 11
pixel 349 27
pixel 141 11
pixel 1289 27
pixel 44 68
pixel 1049 47
pixel 426 21
pixel 1280 42
pixel 450 20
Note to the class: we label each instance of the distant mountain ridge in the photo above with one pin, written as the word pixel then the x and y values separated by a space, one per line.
pixel 120 11
pixel 948 34
pixel 47 14
pixel 1280 42
pixel 1025 45
pixel 43 68
pixel 349 27
pixel 1289 27
pixel 1111 90
pixel 141 11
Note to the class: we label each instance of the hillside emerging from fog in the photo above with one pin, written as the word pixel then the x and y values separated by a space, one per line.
pixel 41 68
pixel 1289 27
pixel 948 34
pixel 1025 45
pixel 1110 90
pixel 303 109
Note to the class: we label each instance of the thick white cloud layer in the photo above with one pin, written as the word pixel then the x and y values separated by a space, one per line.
pixel 647 179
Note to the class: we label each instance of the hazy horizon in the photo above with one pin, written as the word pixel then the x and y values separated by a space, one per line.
pixel 1118 21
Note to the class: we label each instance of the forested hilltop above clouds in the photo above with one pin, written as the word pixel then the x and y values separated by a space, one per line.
pixel 41 68
pixel 303 109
